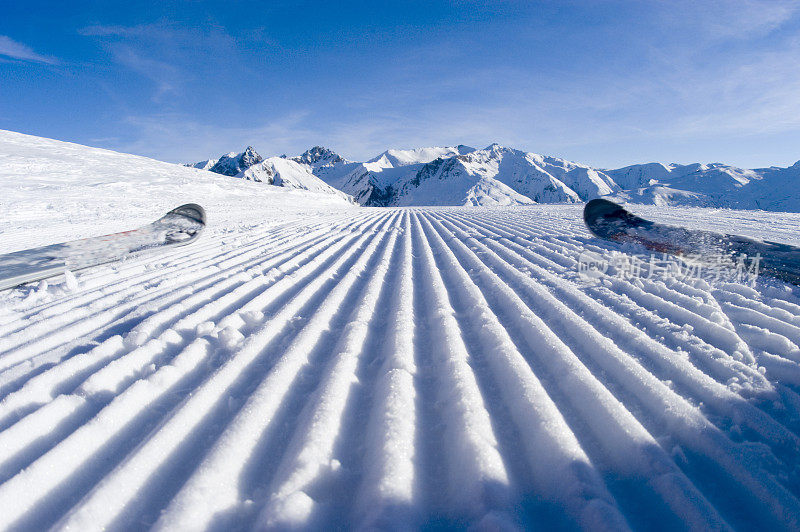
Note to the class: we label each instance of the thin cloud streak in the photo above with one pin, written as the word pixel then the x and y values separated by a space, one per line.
pixel 16 50
pixel 153 51
pixel 729 19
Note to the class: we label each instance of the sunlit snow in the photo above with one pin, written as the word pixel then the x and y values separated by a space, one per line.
pixel 311 363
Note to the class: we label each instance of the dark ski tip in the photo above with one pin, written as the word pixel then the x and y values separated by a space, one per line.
pixel 600 216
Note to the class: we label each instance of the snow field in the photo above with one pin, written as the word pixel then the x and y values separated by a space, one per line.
pixel 637 454
pixel 397 368
pixel 629 376
pixel 205 397
pixel 566 473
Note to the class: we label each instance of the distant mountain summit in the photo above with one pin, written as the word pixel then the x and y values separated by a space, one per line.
pixel 372 183
pixel 276 171
pixel 233 163
pixel 462 175
pixel 318 156
pixel 710 185
pixel 397 158
pixel 500 175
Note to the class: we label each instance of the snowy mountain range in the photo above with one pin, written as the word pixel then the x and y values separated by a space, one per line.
pixel 497 175
pixel 277 171
pixel 711 185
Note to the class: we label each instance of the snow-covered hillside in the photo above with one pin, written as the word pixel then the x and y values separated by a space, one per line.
pixel 53 191
pixel 327 165
pixel 283 172
pixel 391 369
pixel 447 181
pixel 372 183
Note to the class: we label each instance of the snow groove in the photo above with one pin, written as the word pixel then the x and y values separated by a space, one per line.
pixel 586 399
pixel 561 469
pixel 398 368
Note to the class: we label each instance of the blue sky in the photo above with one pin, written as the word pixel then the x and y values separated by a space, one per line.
pixel 606 83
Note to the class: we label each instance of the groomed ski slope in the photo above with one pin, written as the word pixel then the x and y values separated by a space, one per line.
pixel 398 368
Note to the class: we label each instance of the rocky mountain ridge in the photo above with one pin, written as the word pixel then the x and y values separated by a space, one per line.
pixel 499 175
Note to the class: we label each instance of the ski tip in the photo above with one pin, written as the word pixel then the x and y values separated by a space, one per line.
pixel 597 214
pixel 193 211
pixel 601 208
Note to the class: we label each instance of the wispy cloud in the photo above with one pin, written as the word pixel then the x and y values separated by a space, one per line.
pixel 16 50
pixel 163 53
pixel 727 19
pixel 110 30
pixel 133 48
pixel 166 77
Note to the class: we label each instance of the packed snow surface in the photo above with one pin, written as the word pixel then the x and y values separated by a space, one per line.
pixel 334 366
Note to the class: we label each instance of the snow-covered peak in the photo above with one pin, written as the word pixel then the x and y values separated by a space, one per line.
pixel 710 185
pixel 279 171
pixel 641 175
pixel 461 175
pixel 283 172
pixel 319 155
pixel 232 163
pixel 496 151
pixel 495 147
pixel 709 179
pixel 541 178
pixel 395 158
pixel 447 181
pixel 250 156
